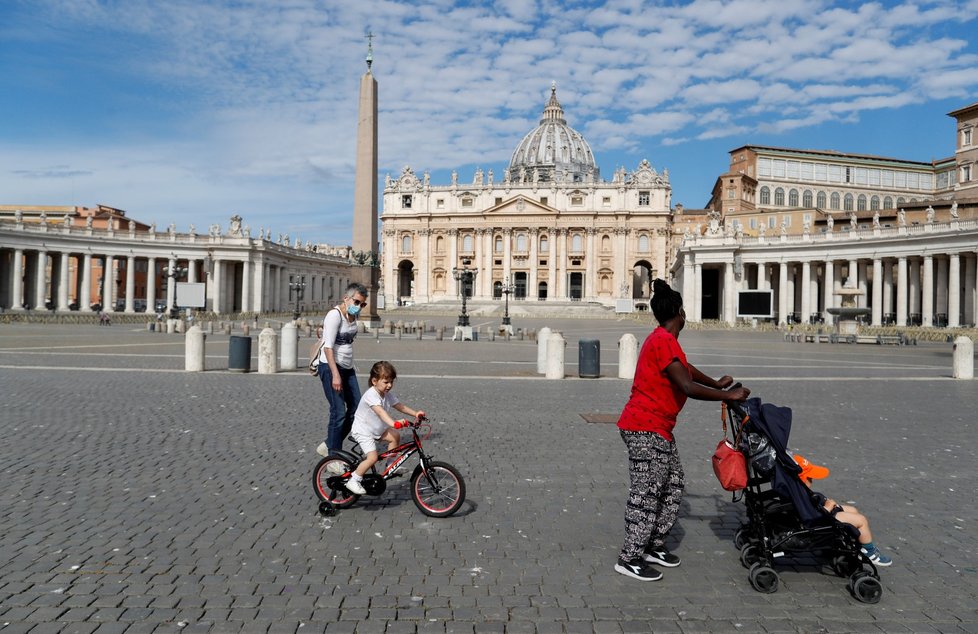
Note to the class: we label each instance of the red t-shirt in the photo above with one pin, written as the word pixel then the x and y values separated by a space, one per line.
pixel 655 401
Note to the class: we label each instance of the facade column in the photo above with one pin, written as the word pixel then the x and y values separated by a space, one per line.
pixel 902 288
pixel 131 284
pixel 729 313
pixel 590 270
pixel 790 306
pixel 108 284
pixel 216 303
pixel 927 293
pixel 258 297
pixel 531 282
pixel 941 287
pixel 246 286
pixel 763 276
pixel 862 283
pixel 507 258
pixel 479 263
pixel 422 276
pixel 562 265
pixel 450 282
pixel 877 314
pixel 622 274
pixel 151 285
pixel 954 291
pixel 552 265
pixel 970 277
pixel 41 287
pixel 914 287
pixel 689 284
pixel 63 281
pixel 85 303
pixel 17 287
pixel 806 291
pixel 829 291
pixel 783 293
pixel 697 292
pixel 191 271
pixel 171 284
pixel 887 305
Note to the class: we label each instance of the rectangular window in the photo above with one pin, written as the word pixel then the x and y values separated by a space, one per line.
pixel 835 173
pixel 886 178
pixel 606 201
pixel 753 223
pixel 966 137
pixel 913 180
pixel 821 172
pixel 466 202
pixel 406 201
pixel 643 199
pixel 763 167
pixel 900 179
pixel 793 169
pixel 777 168
pixel 861 176
pixel 942 180
pixel 965 173
pixel 848 175
pixel 806 172
pixel 874 177
pixel 577 201
pixel 807 218
pixel 772 222
pixel 786 220
pixel 543 200
pixel 543 263
pixel 499 200
pixel 440 203
pixel 731 194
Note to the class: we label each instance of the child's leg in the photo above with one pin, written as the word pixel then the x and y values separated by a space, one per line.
pixel 859 521
pixel 392 436
pixel 367 462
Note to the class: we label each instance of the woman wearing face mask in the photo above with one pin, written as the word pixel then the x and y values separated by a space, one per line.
pixel 336 369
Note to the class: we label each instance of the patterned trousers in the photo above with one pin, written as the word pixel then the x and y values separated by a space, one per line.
pixel 656 483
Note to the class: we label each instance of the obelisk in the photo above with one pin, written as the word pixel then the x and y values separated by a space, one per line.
pixel 365 191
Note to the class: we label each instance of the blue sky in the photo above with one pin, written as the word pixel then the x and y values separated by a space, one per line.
pixel 189 111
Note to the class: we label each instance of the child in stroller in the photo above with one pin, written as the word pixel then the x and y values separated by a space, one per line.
pixel 785 518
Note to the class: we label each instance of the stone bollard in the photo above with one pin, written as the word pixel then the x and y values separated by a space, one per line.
pixel 227 329
pixel 555 356
pixel 963 356
pixel 520 334
pixel 627 356
pixel 194 350
pixel 542 338
pixel 307 330
pixel 245 329
pixel 440 333
pixel 397 332
pixel 151 326
pixel 268 352
pixel 290 347
pixel 180 326
pixel 171 326
pixel 420 333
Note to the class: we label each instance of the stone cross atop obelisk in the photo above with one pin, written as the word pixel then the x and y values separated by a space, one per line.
pixel 365 246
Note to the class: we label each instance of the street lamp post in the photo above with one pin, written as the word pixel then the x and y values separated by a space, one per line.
pixel 506 290
pixel 172 274
pixel 465 277
pixel 299 288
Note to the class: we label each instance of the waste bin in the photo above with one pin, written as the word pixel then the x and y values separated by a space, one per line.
pixel 239 354
pixel 589 358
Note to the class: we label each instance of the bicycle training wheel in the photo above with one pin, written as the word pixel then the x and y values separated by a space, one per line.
pixel 439 492
pixel 327 482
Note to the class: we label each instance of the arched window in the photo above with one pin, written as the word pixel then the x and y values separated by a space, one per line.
pixel 498 244
pixel 806 199
pixel 521 242
pixel 901 201
pixel 605 243
pixel 577 243
pixel 821 200
pixel 779 197
pixel 544 244
pixel 440 244
pixel 406 244
pixel 861 203
pixel 835 200
pixel 643 243
pixel 765 195
pixel 887 203
pixel 848 202
pixel 467 243
pixel 874 203
pixel 793 198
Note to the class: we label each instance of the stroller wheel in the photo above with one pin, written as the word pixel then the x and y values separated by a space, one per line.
pixel 763 578
pixel 865 587
pixel 741 537
pixel 750 555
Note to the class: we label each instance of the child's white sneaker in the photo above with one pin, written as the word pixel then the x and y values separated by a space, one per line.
pixel 354 486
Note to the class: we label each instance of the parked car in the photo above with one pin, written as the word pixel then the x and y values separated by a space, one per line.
pixel 139 305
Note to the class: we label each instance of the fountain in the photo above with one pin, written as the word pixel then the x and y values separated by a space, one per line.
pixel 846 316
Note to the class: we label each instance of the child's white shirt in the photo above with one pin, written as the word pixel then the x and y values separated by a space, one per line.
pixel 365 419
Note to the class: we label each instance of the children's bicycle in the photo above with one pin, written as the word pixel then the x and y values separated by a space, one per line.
pixel 437 488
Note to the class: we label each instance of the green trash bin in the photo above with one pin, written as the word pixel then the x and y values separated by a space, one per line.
pixel 239 354
pixel 589 358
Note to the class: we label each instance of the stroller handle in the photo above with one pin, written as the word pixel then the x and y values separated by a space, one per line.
pixel 734 406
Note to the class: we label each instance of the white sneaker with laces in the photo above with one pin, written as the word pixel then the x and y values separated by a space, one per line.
pixel 336 467
pixel 323 450
pixel 354 486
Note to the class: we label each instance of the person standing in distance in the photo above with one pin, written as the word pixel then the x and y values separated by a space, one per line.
pixel 336 369
pixel 664 379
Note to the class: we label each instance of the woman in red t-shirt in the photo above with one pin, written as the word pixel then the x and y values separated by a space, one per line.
pixel 664 379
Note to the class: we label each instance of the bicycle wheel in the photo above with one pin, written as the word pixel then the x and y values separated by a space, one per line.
pixel 327 482
pixel 440 491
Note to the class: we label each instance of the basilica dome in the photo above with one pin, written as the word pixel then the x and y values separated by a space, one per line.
pixel 553 151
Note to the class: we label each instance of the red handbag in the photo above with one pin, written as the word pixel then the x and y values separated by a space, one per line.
pixel 729 463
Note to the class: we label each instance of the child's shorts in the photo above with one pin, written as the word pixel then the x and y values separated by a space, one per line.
pixel 367 441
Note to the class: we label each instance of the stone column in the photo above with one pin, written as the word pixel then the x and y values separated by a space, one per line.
pixel 85 301
pixel 191 271
pixel 902 288
pixel 151 285
pixel 829 293
pixel 970 277
pixel 552 264
pixel 954 291
pixel 806 291
pixel 941 287
pixel 422 292
pixel 41 287
pixel 17 287
pixel 927 293
pixel 532 281
pixel 131 284
pixel 246 286
pixel 862 283
pixel 590 270
pixel 877 315
pixel 689 283
pixel 697 303
pixel 763 277
pixel 63 281
pixel 783 293
pixel 887 305
pixel 913 288
pixel 729 292
pixel 217 301
pixel 450 284
pixel 259 294
pixel 790 290
pixel 171 284
pixel 282 285
pixel 562 265
pixel 108 284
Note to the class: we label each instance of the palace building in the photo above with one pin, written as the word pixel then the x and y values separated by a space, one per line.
pixel 549 228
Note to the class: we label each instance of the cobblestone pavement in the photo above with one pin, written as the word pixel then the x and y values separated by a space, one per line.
pixel 137 497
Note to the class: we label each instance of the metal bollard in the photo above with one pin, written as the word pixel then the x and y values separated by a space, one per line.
pixel 555 356
pixel 268 352
pixel 589 358
pixel 963 358
pixel 542 338
pixel 194 350
pixel 627 356
pixel 290 347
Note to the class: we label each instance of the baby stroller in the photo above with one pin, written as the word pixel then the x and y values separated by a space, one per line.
pixel 784 516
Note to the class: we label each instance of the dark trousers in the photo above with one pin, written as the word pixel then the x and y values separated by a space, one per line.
pixel 656 483
pixel 342 404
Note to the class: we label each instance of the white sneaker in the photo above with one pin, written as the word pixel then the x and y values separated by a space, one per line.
pixel 322 450
pixel 336 467
pixel 355 487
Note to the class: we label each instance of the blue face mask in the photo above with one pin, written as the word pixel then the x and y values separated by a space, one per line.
pixel 353 310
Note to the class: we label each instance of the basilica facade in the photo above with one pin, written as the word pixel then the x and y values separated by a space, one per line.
pixel 548 229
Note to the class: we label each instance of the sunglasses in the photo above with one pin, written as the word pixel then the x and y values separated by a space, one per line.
pixel 357 302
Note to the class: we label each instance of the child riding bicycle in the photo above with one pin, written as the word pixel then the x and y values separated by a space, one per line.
pixel 372 420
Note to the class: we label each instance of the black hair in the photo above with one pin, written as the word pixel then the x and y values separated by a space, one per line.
pixel 666 302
